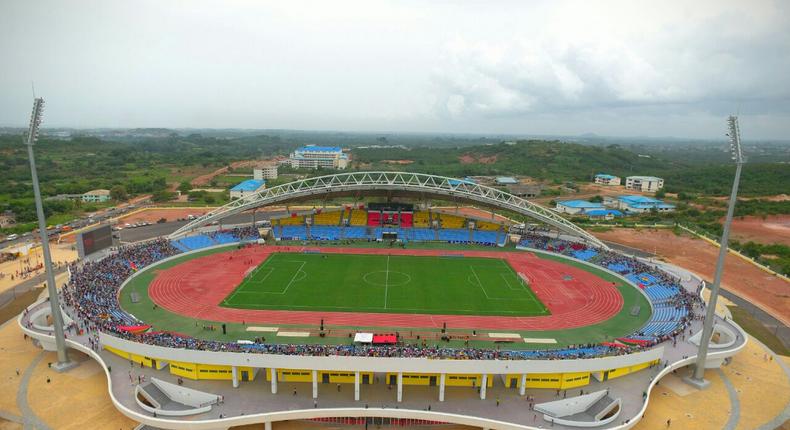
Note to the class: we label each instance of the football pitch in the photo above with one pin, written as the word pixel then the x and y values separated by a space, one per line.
pixel 388 284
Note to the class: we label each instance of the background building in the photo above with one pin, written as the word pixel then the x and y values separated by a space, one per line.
pixel 604 179
pixel 577 206
pixel 638 204
pixel 605 214
pixel 247 187
pixel 525 191
pixel 644 183
pixel 96 196
pixel 313 157
pixel 265 171
pixel 506 180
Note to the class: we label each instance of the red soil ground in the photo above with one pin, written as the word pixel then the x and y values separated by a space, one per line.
pixel 772 229
pixel 468 159
pixel 769 292
pixel 153 215
pixel 196 287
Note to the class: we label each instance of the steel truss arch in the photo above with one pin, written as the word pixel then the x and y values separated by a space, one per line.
pixel 390 181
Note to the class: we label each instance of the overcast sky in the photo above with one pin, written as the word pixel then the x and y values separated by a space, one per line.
pixel 619 68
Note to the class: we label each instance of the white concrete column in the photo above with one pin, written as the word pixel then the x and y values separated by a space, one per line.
pixel 400 386
pixel 523 389
pixel 441 387
pixel 315 384
pixel 235 372
pixel 483 386
pixel 356 386
pixel 274 381
pixel 267 425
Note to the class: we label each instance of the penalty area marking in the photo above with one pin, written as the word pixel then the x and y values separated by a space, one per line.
pixel 530 296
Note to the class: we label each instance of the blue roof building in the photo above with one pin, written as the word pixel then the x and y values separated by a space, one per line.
pixel 314 157
pixel 640 204
pixel 457 182
pixel 606 179
pixel 603 213
pixel 320 149
pixel 247 187
pixel 577 206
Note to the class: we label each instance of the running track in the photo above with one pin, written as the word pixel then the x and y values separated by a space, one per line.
pixel 195 288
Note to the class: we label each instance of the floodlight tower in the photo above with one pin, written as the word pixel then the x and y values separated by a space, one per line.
pixel 707 328
pixel 57 318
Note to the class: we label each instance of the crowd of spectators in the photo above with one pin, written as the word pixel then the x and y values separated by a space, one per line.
pixel 92 291
pixel 173 340
pixel 92 298
pixel 625 265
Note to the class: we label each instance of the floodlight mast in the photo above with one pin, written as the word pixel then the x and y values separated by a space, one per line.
pixel 54 303
pixel 707 328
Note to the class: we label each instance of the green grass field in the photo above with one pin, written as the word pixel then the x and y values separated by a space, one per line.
pixel 389 284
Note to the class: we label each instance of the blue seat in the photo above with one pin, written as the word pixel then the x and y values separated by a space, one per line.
pixel 195 242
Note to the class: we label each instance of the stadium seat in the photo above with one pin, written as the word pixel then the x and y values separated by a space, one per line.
pixel 327 218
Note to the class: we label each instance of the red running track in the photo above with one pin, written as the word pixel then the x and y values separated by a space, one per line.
pixel 196 287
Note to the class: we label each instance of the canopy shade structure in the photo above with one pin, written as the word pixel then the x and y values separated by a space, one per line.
pixel 391 183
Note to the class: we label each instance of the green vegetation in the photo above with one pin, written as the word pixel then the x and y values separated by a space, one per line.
pixel 560 162
pixel 758 207
pixel 130 166
pixel 757 179
pixel 127 168
pixel 776 256
pixel 757 330
pixel 546 160
pixel 387 284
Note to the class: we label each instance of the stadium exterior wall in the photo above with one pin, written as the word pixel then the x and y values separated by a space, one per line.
pixel 215 424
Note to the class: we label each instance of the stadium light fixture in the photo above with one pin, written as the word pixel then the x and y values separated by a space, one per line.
pixel 57 318
pixel 697 379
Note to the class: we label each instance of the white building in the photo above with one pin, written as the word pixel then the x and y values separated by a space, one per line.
pixel 604 179
pixel 266 171
pixel 506 180
pixel 644 183
pixel 247 187
pixel 96 196
pixel 313 157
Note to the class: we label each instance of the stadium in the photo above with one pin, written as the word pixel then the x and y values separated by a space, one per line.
pixel 413 300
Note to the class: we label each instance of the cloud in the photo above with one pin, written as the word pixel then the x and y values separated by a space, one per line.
pixel 686 60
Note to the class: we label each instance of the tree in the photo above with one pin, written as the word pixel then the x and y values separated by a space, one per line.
pixel 162 196
pixel 660 194
pixel 596 199
pixel 185 187
pixel 685 196
pixel 118 192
